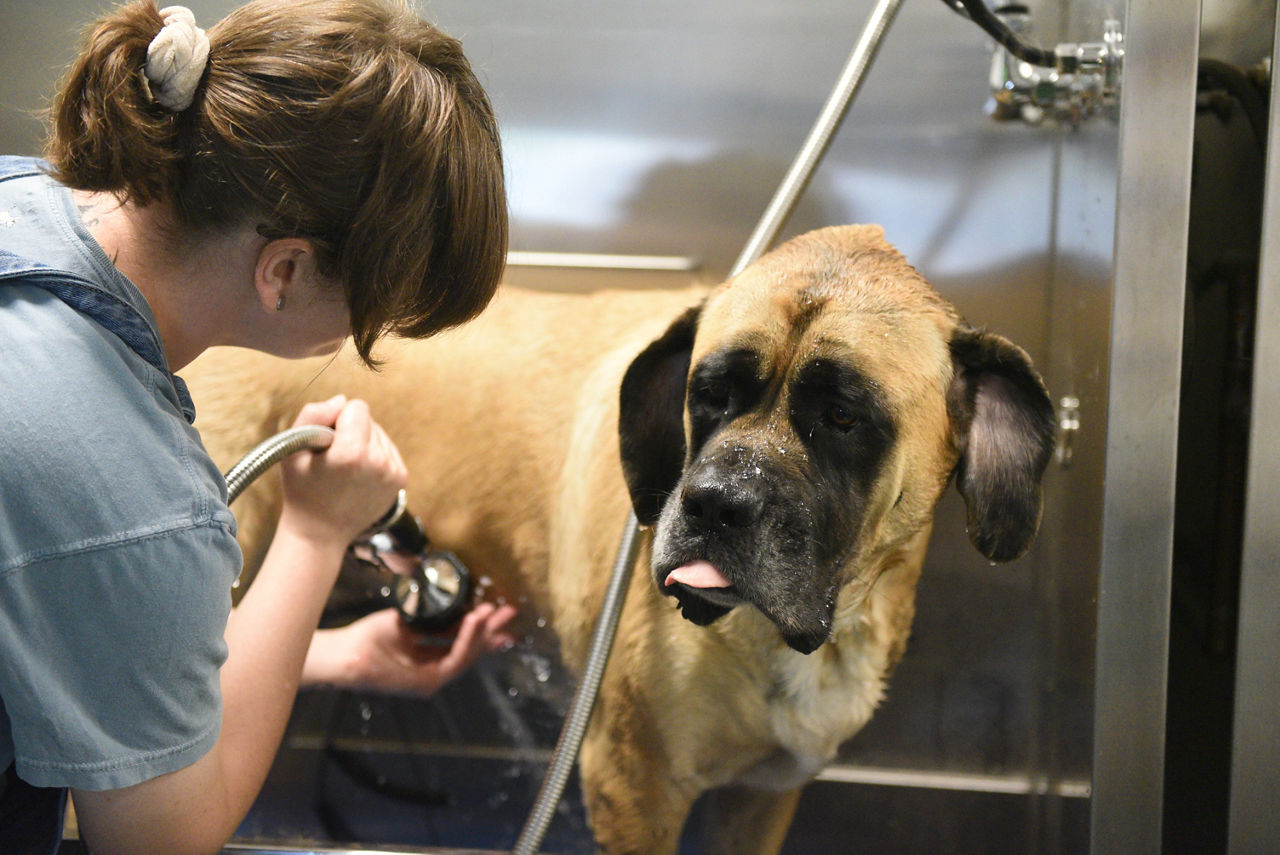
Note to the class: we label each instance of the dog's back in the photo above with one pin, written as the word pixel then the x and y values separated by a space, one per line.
pixel 485 415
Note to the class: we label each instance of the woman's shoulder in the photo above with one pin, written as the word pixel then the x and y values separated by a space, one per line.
pixel 90 427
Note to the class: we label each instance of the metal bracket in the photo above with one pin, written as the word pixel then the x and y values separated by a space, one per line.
pixel 1068 427
pixel 1084 82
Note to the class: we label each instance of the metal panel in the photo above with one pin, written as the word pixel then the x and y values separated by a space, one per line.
pixel 1254 824
pixel 1146 337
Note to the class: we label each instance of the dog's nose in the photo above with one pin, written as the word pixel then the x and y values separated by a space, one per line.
pixel 714 506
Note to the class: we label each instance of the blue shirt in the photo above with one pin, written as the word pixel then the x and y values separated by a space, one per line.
pixel 117 549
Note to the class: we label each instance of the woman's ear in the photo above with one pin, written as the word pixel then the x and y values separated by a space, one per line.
pixel 1004 426
pixel 283 266
pixel 651 417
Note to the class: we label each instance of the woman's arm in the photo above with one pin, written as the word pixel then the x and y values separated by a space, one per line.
pixel 329 499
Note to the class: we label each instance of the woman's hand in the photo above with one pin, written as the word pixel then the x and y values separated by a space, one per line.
pixel 336 494
pixel 380 653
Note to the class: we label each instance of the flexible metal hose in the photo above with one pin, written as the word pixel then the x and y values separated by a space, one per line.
pixel 584 699
pixel 766 231
pixel 271 451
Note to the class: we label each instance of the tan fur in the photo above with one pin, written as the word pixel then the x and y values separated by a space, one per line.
pixel 509 429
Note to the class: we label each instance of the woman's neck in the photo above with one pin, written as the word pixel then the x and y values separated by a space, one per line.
pixel 194 292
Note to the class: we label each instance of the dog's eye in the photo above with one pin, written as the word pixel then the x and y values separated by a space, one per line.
pixel 840 416
pixel 714 393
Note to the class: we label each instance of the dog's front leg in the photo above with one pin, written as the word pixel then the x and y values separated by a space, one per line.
pixel 633 804
pixel 746 821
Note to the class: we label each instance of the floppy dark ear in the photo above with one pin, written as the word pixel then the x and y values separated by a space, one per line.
pixel 651 417
pixel 1004 425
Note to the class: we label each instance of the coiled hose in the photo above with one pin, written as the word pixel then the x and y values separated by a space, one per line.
pixel 271 451
pixel 584 699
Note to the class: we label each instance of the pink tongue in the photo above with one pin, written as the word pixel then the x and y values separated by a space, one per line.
pixel 698 574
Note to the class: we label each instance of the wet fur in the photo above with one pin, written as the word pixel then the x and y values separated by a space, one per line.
pixel 531 432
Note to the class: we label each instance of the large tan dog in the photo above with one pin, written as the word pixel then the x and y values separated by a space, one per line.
pixel 783 438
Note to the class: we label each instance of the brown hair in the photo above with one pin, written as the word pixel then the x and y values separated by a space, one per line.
pixel 351 123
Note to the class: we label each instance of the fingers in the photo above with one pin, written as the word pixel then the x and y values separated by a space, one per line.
pixel 480 632
pixel 354 427
pixel 390 657
pixel 465 649
pixel 495 638
pixel 360 440
pixel 321 412
pixel 339 492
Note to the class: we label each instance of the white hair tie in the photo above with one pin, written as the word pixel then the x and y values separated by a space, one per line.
pixel 176 59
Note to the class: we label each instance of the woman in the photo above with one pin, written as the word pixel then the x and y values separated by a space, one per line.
pixel 302 173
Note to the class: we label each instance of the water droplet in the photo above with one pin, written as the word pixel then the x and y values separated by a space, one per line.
pixel 541 668
pixel 365 712
pixel 542 622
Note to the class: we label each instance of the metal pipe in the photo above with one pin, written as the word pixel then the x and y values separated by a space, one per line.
pixel 766 231
pixel 820 136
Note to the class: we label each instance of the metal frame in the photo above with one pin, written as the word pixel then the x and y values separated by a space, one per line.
pixel 1254 820
pixel 1153 204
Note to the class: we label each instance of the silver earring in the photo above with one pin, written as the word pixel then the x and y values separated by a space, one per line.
pixel 279 302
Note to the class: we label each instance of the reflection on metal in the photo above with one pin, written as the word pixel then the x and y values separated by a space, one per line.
pixel 1134 582
pixel 273 849
pixel 842 773
pixel 600 261
pixel 1254 821
pixel 1014 785
pixel 1068 427
pixel 75 847
pixel 1084 82
pixel 419 749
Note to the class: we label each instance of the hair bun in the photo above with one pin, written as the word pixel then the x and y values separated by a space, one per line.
pixel 176 59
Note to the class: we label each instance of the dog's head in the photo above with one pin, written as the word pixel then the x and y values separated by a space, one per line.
pixel 803 422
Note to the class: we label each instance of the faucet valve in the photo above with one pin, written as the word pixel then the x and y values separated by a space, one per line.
pixel 1084 80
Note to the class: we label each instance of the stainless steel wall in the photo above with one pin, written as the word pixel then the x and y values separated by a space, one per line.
pixel 661 128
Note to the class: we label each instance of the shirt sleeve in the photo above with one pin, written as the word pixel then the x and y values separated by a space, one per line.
pixel 110 672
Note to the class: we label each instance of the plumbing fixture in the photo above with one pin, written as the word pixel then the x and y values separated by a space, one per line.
pixel 390 565
pixel 1069 83
pixel 1068 427
pixel 1084 81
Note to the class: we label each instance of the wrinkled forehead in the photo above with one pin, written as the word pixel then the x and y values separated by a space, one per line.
pixel 894 334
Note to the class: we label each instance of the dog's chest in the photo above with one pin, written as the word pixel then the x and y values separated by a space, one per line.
pixel 818 702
